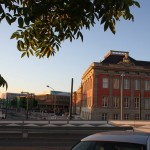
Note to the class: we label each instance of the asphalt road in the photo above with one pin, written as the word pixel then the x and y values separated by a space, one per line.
pixel 38 138
pixel 40 142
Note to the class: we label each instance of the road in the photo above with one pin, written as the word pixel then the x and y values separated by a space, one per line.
pixel 61 143
pixel 40 137
pixel 40 141
pixel 50 138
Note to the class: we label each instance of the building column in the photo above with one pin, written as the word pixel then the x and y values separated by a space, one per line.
pixel 95 90
pixel 110 96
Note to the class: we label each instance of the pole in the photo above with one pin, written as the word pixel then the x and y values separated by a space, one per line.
pixel 6 108
pixel 27 107
pixel 70 111
pixel 139 106
pixel 55 105
pixel 54 100
pixel 121 102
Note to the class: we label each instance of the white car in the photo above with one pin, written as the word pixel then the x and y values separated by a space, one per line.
pixel 115 140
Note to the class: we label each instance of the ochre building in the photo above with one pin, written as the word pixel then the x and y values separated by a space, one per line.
pixel 117 88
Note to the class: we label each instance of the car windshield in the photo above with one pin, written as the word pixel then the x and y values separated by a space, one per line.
pixel 108 146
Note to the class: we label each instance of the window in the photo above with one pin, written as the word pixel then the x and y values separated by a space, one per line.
pixel 126 84
pixel 147 103
pixel 147 85
pixel 104 116
pixel 105 101
pixel 126 102
pixel 136 117
pixel 115 102
pixel 116 117
pixel 105 83
pixel 137 102
pixel 137 84
pixel 147 117
pixel 126 116
pixel 107 145
pixel 116 83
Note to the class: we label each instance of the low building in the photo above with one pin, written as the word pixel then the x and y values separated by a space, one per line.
pixel 8 97
pixel 56 102
pixel 117 88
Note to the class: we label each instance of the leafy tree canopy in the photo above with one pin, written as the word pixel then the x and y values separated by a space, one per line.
pixel 3 82
pixel 45 24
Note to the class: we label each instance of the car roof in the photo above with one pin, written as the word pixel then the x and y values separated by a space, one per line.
pixel 120 136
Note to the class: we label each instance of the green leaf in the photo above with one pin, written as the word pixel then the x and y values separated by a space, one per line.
pixel 27 20
pixel 13 19
pixel 20 22
pixel 80 34
pixel 18 46
pixel 57 47
pixel 8 20
pixel 48 54
pixel 42 50
pixel 103 19
pixel 28 54
pixel 31 52
pixel 21 44
pixel 106 26
pixel 14 35
pixel 1 9
pixel 137 4
pixel 45 51
pixel 3 82
pixel 23 54
pixel 2 16
pixel 26 41
pixel 112 27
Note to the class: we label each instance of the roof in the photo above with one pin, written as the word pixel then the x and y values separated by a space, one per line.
pixel 120 136
pixel 116 58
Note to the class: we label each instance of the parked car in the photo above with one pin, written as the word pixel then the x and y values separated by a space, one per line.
pixel 115 140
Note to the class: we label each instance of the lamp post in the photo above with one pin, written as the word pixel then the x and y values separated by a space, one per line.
pixel 54 99
pixel 121 97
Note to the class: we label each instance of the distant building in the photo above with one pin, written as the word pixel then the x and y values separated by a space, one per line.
pixel 10 96
pixel 60 93
pixel 77 101
pixel 117 88
pixel 57 99
pixel 57 102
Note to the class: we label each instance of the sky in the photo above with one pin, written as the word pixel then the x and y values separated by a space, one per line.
pixel 73 59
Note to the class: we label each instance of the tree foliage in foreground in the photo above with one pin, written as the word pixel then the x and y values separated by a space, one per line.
pixel 45 24
pixel 3 82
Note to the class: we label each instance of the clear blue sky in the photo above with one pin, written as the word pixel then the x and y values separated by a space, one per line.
pixel 33 74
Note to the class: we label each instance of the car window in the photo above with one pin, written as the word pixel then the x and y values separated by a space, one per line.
pixel 118 146
pixel 108 146
pixel 84 146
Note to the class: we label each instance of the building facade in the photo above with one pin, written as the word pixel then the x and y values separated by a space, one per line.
pixel 57 102
pixel 117 88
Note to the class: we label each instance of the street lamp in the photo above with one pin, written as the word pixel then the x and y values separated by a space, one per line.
pixel 121 98
pixel 54 99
